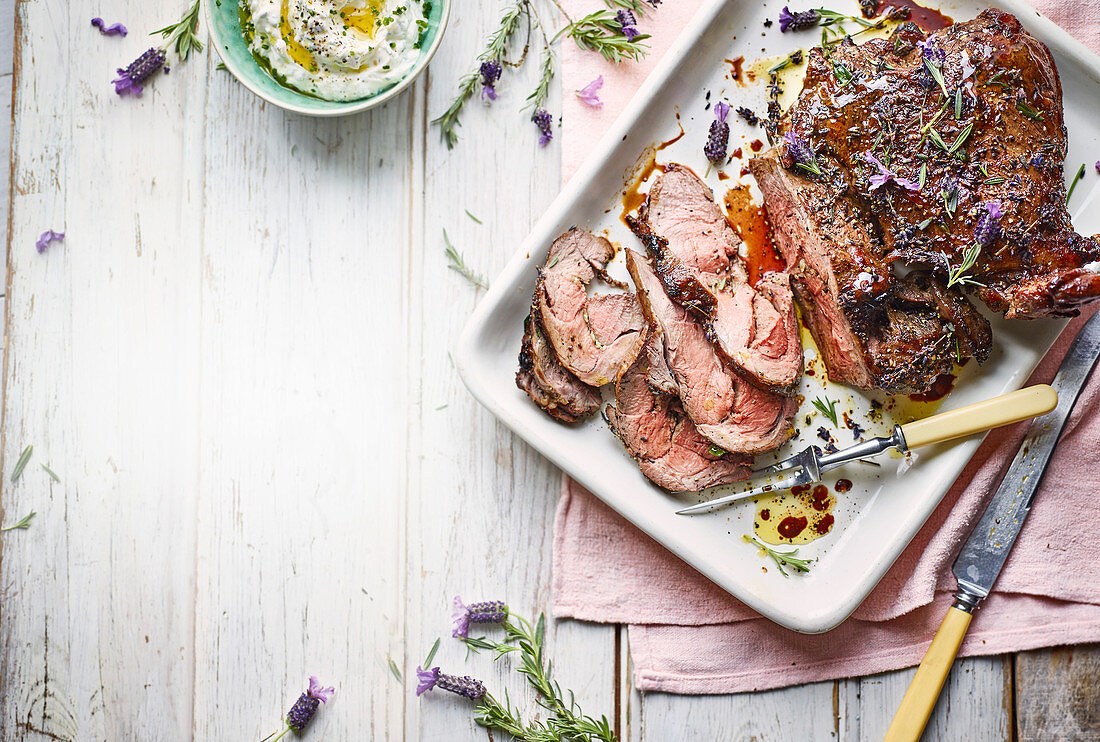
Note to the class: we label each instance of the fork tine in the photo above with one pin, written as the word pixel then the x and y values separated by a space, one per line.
pixel 761 489
pixel 790 462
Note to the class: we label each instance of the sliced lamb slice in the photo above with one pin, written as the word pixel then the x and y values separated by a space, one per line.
pixel 663 440
pixel 548 383
pixel 598 337
pixel 695 252
pixel 874 330
pixel 731 413
pixel 755 327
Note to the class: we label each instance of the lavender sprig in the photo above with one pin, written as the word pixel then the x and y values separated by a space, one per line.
pixel 719 135
pixel 131 77
pixel 304 709
pixel 494 52
pixel 802 155
pixel 493 611
pixel 797 21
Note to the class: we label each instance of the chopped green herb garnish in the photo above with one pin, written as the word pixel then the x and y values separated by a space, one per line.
pixel 923 176
pixel 1027 110
pixel 716 451
pixel 828 408
pixel 1076 178
pixel 783 558
pixel 958 275
pixel 937 75
pixel 958 103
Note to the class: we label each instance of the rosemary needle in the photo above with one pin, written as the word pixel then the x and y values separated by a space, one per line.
pixel 21 464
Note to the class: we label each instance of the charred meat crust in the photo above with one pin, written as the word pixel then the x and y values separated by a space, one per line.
pixel 549 384
pixel 993 133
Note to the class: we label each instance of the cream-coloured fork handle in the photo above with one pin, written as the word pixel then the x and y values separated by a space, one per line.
pixel 1022 404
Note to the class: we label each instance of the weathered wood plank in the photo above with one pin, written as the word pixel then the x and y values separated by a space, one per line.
pixel 481 501
pixel 304 410
pixel 976 703
pixel 1058 694
pixel 101 359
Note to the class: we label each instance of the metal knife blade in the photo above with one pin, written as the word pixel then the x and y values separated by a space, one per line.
pixel 985 551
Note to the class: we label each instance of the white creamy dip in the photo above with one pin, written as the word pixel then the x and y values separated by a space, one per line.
pixel 336 49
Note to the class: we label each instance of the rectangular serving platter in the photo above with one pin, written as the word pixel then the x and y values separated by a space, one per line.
pixel 888 504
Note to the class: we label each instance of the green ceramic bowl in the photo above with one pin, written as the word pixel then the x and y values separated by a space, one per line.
pixel 224 24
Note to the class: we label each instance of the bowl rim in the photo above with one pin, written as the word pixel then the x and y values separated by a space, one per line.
pixel 351 107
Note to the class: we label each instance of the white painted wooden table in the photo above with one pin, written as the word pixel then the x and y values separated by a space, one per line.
pixel 237 362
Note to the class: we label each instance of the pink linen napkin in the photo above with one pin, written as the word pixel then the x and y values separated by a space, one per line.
pixel 689 636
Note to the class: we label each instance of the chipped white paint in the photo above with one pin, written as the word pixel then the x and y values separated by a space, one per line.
pixel 238 364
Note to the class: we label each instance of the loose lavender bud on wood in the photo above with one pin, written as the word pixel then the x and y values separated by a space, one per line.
pixel 464 686
pixel 130 78
pixel 493 611
pixel 719 137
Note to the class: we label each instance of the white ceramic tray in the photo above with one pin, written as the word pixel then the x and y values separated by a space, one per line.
pixel 887 505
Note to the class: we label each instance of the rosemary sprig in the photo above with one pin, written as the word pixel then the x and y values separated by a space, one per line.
pixel 50 471
pixel 1073 185
pixel 958 274
pixel 600 32
pixel 22 525
pixel 538 96
pixel 473 217
pixel 842 73
pixel 784 558
pixel 567 721
pixel 21 464
pixel 494 51
pixel 181 34
pixel 458 264
pixel 827 407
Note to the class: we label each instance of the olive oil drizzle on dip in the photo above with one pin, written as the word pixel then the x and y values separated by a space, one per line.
pixel 335 49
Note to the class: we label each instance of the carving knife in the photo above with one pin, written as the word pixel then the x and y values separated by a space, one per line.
pixel 985 551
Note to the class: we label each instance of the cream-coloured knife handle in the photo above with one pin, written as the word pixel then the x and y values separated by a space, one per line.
pixel 920 699
pixel 1006 409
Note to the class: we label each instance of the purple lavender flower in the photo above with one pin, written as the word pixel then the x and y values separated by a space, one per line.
pixel 789 21
pixel 46 238
pixel 115 29
pixel 801 154
pixel 301 713
pixel 988 228
pixel 490 73
pixel 931 52
pixel 493 611
pixel 719 138
pixel 885 175
pixel 545 123
pixel 589 94
pixel 130 78
pixel 1098 166
pixel 463 686
pixel 626 21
